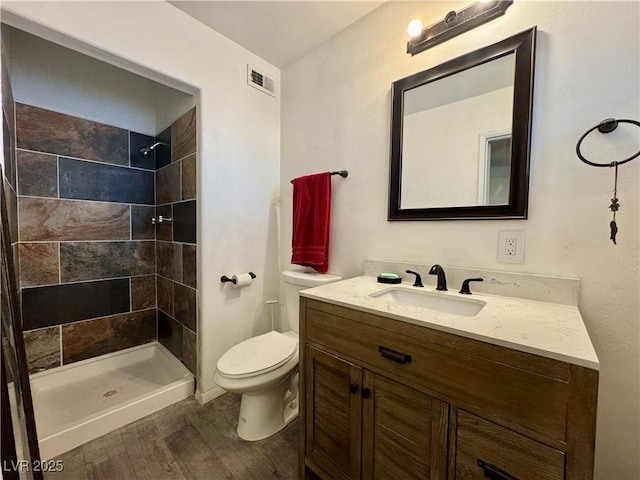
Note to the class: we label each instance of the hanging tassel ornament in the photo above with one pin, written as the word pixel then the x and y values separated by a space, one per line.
pixel 614 207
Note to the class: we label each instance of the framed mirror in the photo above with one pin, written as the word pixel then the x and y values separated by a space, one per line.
pixel 461 135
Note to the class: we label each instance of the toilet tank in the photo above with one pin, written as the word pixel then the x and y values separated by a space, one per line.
pixel 294 281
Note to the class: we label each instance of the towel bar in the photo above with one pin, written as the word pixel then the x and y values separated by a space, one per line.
pixel 342 173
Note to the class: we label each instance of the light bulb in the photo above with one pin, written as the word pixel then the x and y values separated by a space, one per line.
pixel 415 28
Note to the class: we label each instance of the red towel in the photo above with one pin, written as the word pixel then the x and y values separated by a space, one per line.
pixel 311 219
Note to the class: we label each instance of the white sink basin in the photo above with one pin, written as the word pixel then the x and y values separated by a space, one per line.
pixel 467 307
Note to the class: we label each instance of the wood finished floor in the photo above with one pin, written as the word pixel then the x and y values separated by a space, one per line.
pixel 186 441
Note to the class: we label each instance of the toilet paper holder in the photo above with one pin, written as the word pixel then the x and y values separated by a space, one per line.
pixel 224 278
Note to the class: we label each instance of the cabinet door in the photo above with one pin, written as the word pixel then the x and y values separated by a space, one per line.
pixel 333 415
pixel 404 432
pixel 486 450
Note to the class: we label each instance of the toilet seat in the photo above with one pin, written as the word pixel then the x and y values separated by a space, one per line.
pixel 257 355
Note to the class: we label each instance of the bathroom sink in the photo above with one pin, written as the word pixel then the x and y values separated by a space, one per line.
pixel 440 302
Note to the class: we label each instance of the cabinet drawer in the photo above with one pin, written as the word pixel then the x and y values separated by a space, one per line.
pixel 486 450
pixel 535 402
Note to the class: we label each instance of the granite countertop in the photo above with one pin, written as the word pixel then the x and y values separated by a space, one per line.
pixel 546 329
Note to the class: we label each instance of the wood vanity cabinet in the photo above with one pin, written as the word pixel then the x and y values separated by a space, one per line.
pixel 364 425
pixel 385 399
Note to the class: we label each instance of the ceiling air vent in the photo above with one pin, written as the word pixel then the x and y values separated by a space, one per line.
pixel 260 81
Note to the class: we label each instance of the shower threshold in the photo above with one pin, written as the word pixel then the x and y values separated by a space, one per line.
pixel 79 402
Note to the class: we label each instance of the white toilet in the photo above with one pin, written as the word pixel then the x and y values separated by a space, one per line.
pixel 264 369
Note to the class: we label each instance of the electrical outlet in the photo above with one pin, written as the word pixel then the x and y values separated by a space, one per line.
pixel 511 246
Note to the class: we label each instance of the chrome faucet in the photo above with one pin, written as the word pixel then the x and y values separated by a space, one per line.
pixel 442 279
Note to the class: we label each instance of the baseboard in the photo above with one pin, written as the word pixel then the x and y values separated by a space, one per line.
pixel 206 397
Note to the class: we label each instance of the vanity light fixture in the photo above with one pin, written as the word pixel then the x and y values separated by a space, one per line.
pixel 453 24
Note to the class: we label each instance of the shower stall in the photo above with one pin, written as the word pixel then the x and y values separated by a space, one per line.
pixel 108 295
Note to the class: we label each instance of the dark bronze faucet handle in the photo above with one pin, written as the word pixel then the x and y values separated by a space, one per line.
pixel 465 285
pixel 418 282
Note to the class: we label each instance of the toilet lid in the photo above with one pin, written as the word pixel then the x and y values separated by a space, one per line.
pixel 259 354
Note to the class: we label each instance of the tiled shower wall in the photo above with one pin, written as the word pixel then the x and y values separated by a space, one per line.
pixel 86 239
pixel 85 199
pixel 176 241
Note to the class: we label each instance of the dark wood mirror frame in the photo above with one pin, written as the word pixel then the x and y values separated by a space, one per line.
pixel 523 45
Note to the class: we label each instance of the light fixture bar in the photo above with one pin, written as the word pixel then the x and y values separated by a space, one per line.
pixel 455 23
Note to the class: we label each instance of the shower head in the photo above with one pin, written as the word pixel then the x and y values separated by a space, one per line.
pixel 146 151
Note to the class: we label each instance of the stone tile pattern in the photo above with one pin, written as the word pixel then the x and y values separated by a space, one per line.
pixel 189 178
pixel 143 292
pixel 38 173
pixel 95 260
pixel 163 152
pixel 137 142
pixel 95 181
pixel 184 227
pixel 57 220
pixel 45 131
pixel 141 226
pixel 97 276
pixel 183 136
pixel 40 263
pixel 43 348
pixel 82 340
pixel 85 202
pixel 73 302
pixel 176 243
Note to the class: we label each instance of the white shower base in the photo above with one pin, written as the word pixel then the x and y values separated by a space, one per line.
pixel 85 400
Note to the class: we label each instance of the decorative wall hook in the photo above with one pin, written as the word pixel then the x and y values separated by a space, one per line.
pixel 608 125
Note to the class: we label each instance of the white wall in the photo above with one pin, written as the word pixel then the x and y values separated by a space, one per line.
pixel 336 114
pixel 238 144
pixel 50 76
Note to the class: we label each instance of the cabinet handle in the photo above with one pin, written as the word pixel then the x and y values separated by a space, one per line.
pixel 365 393
pixel 353 388
pixel 494 473
pixel 393 355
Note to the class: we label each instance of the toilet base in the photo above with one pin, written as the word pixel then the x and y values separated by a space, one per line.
pixel 266 413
